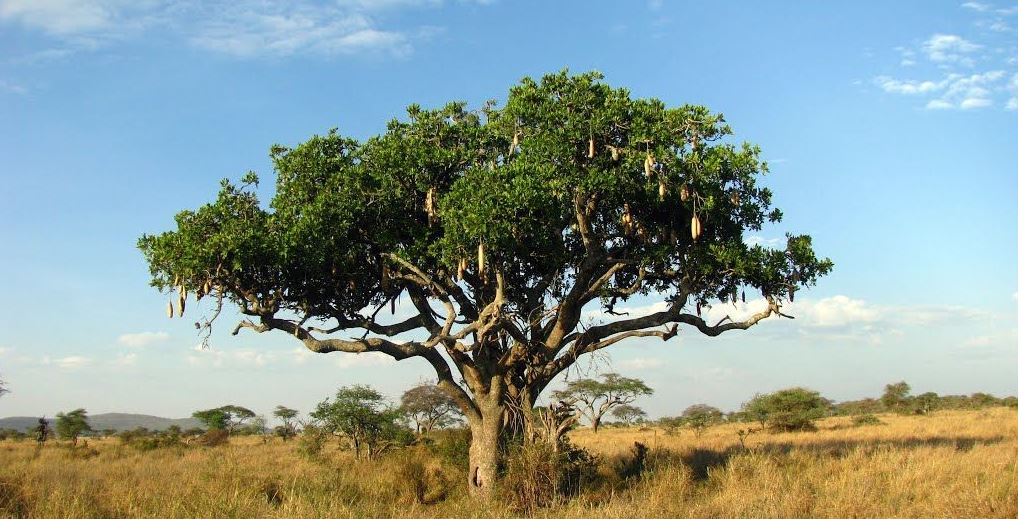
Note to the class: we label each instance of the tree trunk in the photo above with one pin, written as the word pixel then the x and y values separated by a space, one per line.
pixel 596 423
pixel 484 451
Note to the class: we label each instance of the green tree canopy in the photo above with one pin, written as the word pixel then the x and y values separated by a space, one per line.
pixel 363 416
pixel 72 424
pixel 593 398
pixel 428 407
pixel 228 417
pixel 792 409
pixel 628 414
pixel 896 396
pixel 701 416
pixel 500 226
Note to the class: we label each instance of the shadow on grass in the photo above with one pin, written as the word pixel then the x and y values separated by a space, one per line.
pixel 702 461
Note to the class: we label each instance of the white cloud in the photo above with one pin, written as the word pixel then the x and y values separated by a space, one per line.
pixel 12 88
pixel 125 359
pixel 141 339
pixel 770 243
pixel 949 48
pixel 640 363
pixel 976 6
pixel 974 102
pixel 60 16
pixel 242 31
pixel 362 360
pixel 230 358
pixel 1014 296
pixel 835 311
pixel 68 363
pixel 907 87
pixel 954 91
pixel 241 28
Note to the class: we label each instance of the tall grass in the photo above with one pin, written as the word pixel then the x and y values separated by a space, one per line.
pixel 951 464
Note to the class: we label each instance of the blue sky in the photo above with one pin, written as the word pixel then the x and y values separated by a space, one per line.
pixel 890 129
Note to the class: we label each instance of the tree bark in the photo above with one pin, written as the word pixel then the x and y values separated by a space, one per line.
pixel 485 454
pixel 596 423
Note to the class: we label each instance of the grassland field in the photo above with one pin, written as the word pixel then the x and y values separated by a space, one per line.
pixel 952 464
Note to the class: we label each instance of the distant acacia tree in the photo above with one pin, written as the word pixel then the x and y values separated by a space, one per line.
pixel 429 407
pixel 286 415
pixel 226 418
pixel 792 409
pixel 593 398
pixel 701 416
pixel 628 414
pixel 363 416
pixel 72 424
pixel 895 397
pixel 926 403
pixel 3 387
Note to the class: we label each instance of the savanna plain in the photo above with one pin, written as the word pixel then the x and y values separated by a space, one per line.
pixel 948 464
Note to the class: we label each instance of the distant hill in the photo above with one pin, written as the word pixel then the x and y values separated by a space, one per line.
pixel 116 421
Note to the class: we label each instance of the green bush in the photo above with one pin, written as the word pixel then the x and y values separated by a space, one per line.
pixel 311 441
pixel 866 419
pixel 537 477
pixel 792 409
pixel 452 446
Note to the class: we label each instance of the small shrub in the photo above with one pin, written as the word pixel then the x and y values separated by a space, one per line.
pixel 145 440
pixel 632 466
pixel 214 438
pixel 311 442
pixel 81 451
pixel 866 419
pixel 531 478
pixel 538 477
pixel 413 480
pixel 272 491
pixel 452 446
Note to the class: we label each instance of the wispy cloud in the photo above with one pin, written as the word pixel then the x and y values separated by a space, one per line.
pixel 954 91
pixel 248 358
pixel 362 360
pixel 242 28
pixel 12 88
pixel 125 359
pixel 976 6
pixel 908 86
pixel 770 243
pixel 1012 87
pixel 62 17
pixel 640 363
pixel 69 363
pixel 947 59
pixel 142 339
pixel 239 30
pixel 950 48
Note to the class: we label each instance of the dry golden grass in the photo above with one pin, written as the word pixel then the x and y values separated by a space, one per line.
pixel 952 464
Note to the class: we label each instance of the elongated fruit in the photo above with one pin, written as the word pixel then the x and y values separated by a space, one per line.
pixel 480 259
pixel 695 228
